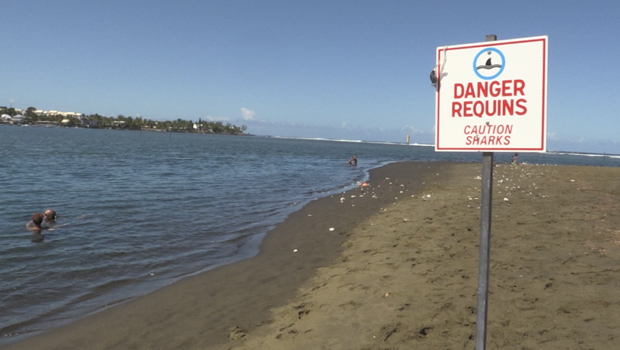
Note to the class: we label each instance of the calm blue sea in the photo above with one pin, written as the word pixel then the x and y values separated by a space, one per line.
pixel 143 209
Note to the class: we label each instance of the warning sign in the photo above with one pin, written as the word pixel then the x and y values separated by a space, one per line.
pixel 492 96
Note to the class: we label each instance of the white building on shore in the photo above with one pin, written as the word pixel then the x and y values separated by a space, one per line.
pixel 54 113
pixel 16 119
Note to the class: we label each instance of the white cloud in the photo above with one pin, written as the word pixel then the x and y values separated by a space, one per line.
pixel 247 114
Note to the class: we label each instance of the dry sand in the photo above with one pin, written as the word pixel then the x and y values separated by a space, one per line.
pixel 408 276
pixel 399 271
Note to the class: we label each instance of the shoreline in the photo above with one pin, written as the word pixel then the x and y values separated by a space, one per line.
pixel 201 311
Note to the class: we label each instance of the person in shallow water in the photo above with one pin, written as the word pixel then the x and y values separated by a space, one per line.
pixel 353 161
pixel 35 224
pixel 49 215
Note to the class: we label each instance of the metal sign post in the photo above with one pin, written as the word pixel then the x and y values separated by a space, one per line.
pixel 485 250
pixel 485 244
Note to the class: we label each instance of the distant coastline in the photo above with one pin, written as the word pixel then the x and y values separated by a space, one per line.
pixel 33 116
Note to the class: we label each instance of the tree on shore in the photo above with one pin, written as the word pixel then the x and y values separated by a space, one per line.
pixel 10 111
pixel 30 114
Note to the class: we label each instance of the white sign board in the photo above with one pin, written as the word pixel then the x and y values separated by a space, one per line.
pixel 492 96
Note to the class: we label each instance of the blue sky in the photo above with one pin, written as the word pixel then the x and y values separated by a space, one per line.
pixel 325 69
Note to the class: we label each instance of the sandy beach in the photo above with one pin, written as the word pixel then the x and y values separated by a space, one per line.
pixel 394 266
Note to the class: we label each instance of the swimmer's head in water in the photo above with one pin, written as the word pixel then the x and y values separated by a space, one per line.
pixel 50 215
pixel 37 219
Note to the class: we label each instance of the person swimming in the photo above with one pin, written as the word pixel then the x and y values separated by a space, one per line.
pixel 49 215
pixel 35 224
pixel 353 161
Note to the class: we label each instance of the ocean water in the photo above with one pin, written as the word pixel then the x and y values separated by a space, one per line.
pixel 143 209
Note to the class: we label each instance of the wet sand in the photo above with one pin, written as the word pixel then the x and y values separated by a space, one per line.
pixel 399 271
